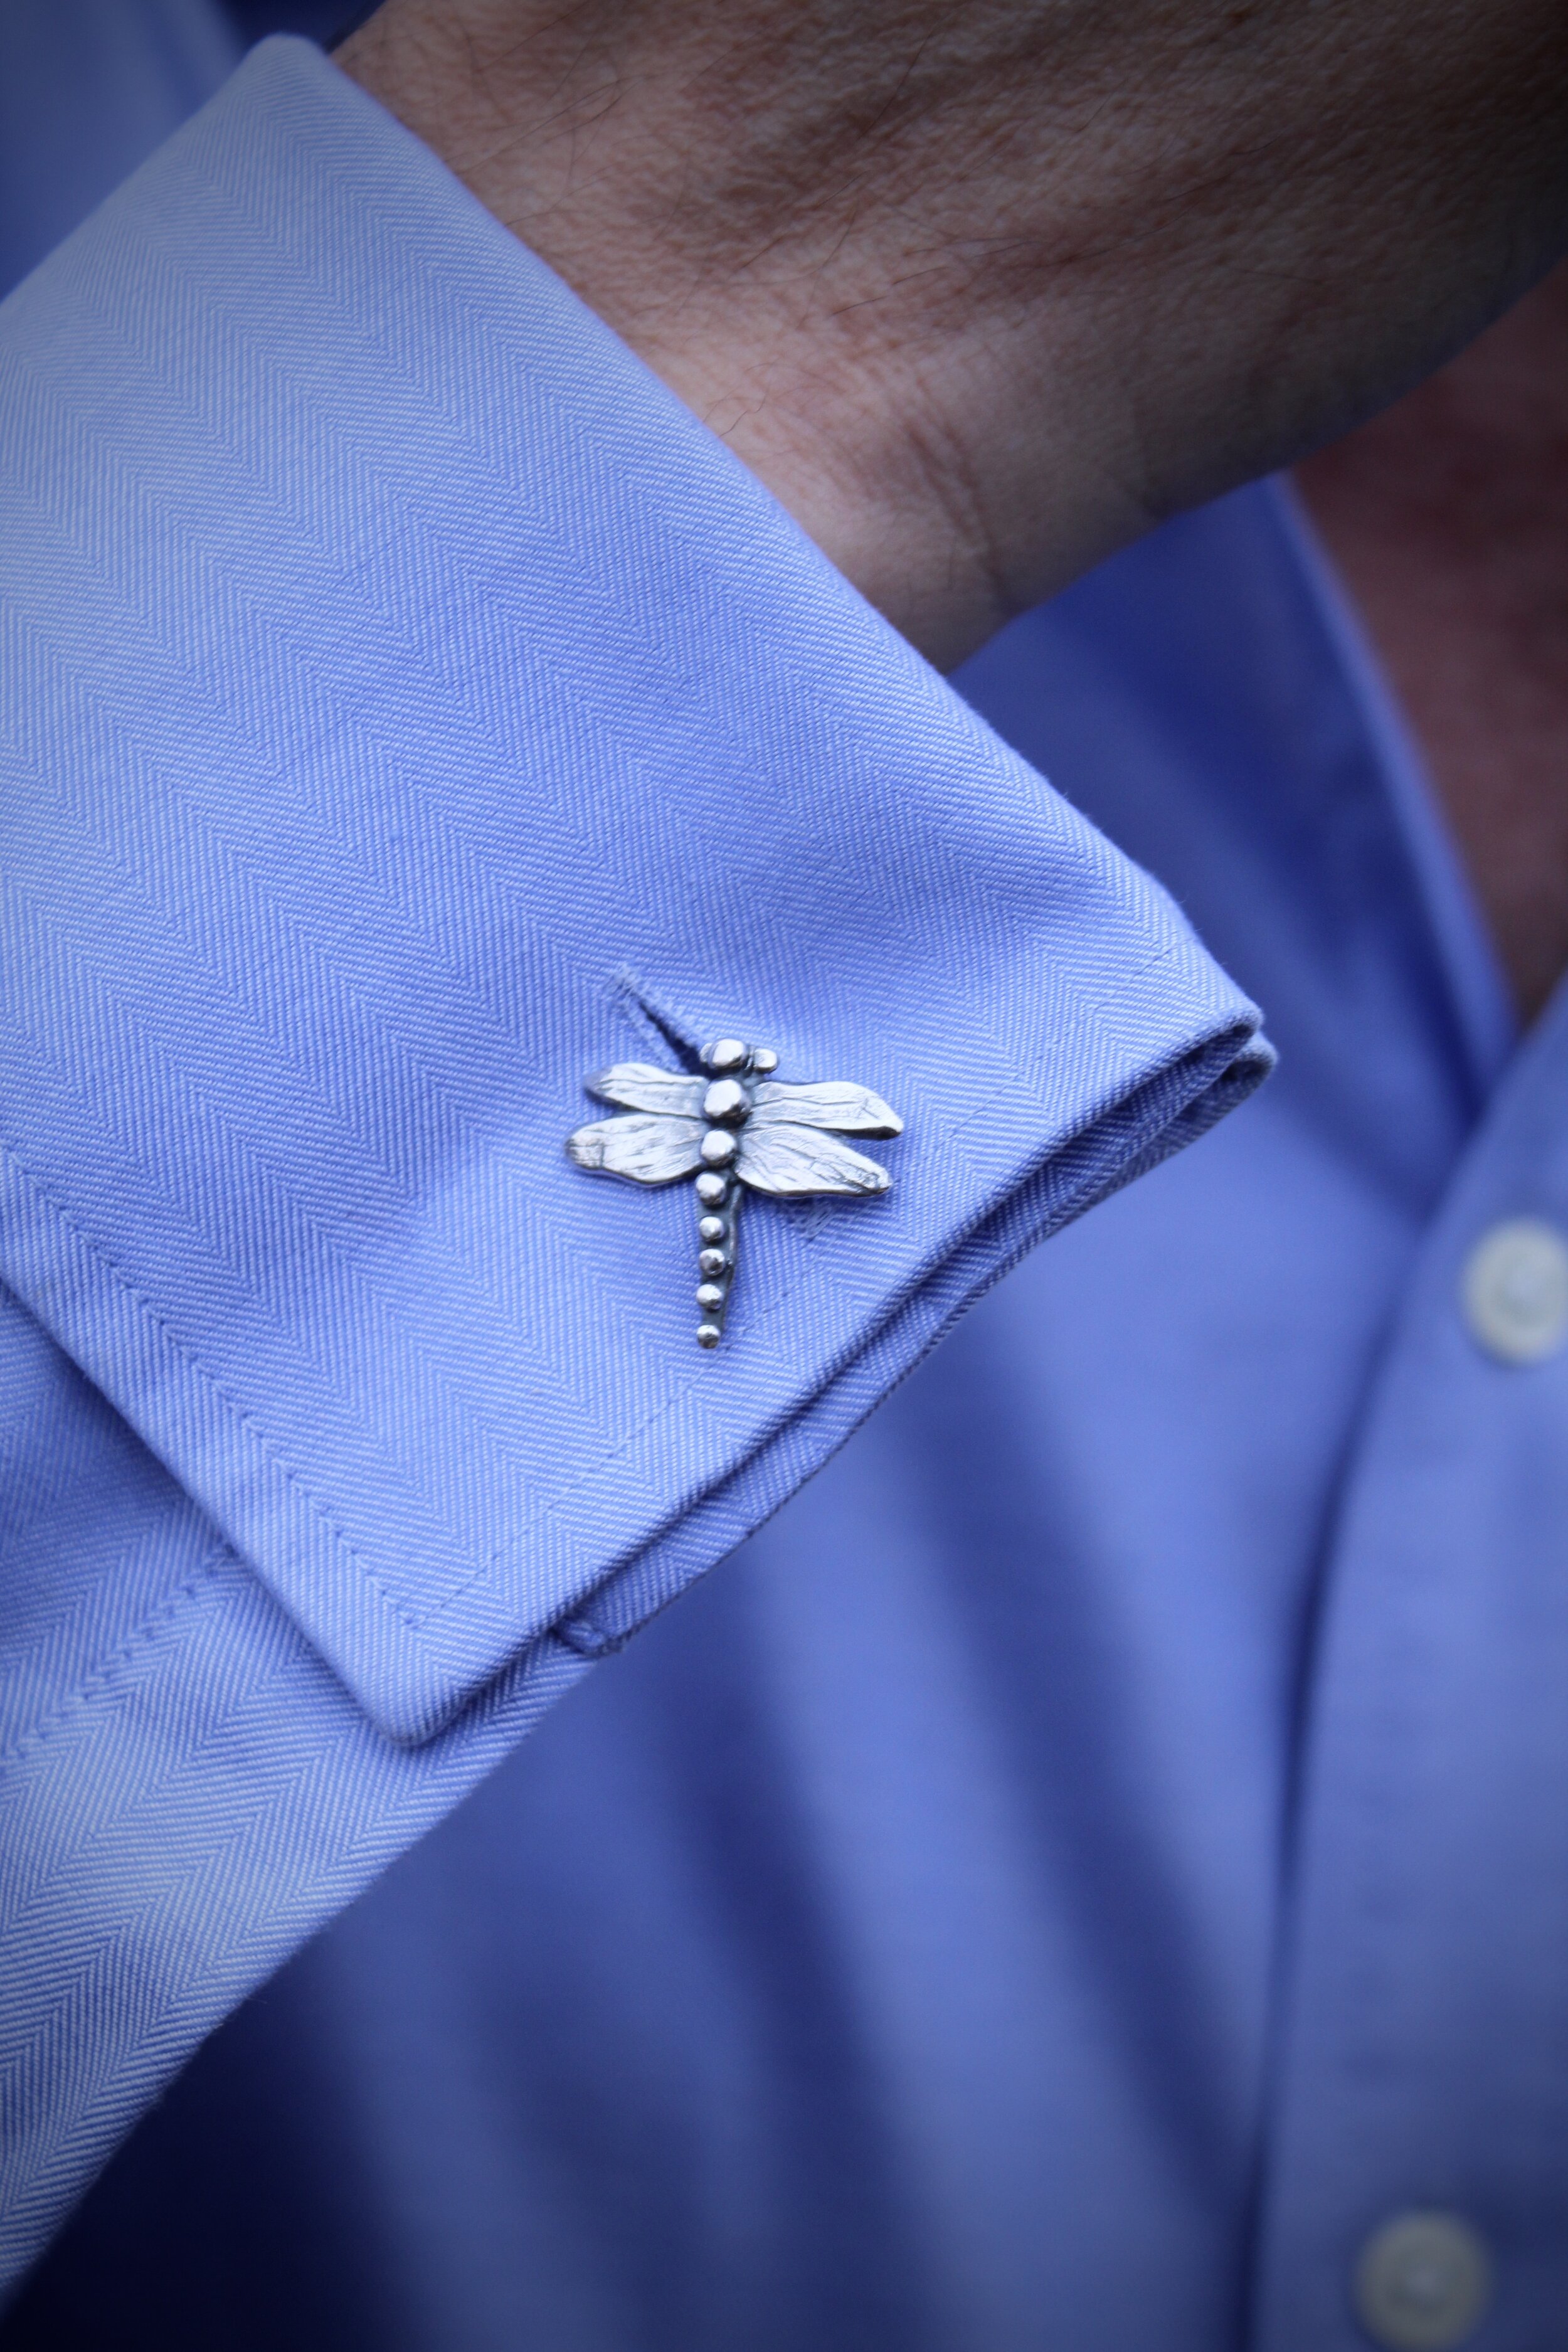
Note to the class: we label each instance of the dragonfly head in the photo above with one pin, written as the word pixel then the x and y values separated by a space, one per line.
pixel 731 1057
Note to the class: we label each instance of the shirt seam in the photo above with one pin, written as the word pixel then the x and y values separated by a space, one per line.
pixel 90 1688
pixel 419 1629
pixel 238 1414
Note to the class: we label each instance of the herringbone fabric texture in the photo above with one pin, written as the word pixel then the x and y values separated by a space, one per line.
pixel 406 707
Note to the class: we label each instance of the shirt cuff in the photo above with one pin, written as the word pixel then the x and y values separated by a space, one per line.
pixel 406 708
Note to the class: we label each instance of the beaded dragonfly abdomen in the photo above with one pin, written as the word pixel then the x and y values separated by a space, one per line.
pixel 736 1127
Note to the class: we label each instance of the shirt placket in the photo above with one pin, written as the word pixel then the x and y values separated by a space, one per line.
pixel 1415 2186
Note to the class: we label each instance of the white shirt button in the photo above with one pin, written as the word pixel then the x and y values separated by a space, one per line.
pixel 1515 1291
pixel 1422 2283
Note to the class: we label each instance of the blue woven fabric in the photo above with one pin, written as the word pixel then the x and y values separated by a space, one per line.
pixel 406 707
pixel 904 1945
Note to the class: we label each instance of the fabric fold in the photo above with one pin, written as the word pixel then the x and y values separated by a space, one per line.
pixel 410 708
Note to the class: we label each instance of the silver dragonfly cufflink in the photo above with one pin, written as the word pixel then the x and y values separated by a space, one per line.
pixel 738 1126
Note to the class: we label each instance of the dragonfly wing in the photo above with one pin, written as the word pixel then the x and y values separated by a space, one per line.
pixel 778 1157
pixel 851 1110
pixel 641 1086
pixel 650 1151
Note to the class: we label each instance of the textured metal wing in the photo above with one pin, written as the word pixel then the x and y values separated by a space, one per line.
pixel 780 1158
pixel 641 1086
pixel 649 1151
pixel 850 1111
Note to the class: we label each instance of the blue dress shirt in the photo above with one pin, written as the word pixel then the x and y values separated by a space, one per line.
pixel 1099 1852
pixel 409 709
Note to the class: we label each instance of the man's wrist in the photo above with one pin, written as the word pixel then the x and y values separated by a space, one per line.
pixel 979 293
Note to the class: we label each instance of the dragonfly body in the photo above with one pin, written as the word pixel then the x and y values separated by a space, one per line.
pixel 736 1127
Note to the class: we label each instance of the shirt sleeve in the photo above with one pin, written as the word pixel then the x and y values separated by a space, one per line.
pixel 407 708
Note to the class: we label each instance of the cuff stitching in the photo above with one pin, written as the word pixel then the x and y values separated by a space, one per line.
pixel 34 1734
pixel 242 1419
